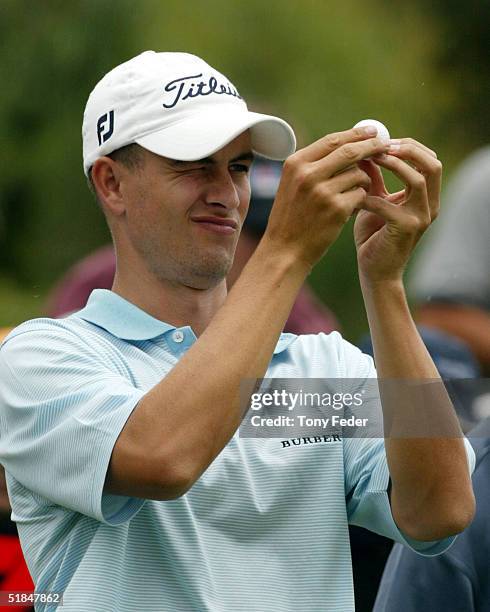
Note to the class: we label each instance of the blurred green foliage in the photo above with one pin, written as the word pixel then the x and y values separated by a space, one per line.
pixel 462 53
pixel 322 66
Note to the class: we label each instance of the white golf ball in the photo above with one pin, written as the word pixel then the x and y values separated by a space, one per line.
pixel 382 134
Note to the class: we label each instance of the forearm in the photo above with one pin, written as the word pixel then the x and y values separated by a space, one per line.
pixel 188 418
pixel 431 493
pixel 469 323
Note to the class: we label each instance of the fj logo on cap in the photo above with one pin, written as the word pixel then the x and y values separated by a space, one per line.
pixel 104 132
pixel 182 89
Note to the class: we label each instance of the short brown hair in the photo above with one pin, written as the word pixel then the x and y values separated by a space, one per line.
pixel 130 156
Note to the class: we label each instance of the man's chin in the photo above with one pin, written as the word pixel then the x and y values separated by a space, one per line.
pixel 208 276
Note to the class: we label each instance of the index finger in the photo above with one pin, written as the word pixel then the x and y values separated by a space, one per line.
pixel 424 162
pixel 416 143
pixel 322 147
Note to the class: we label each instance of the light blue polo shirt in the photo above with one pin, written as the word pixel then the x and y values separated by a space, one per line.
pixel 263 529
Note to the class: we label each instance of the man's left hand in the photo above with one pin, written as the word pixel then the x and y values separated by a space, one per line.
pixel 388 226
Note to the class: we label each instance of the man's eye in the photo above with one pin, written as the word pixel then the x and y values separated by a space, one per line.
pixel 240 168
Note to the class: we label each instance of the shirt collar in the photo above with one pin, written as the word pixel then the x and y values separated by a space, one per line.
pixel 125 320
pixel 120 317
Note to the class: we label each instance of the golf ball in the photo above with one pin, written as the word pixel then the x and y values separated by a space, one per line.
pixel 383 133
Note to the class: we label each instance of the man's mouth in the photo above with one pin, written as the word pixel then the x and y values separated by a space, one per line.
pixel 219 225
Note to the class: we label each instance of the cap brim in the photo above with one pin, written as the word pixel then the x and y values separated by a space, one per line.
pixel 197 137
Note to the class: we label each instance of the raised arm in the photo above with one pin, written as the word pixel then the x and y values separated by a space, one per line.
pixel 431 494
pixel 183 423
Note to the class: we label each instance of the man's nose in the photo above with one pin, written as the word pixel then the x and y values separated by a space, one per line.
pixel 222 190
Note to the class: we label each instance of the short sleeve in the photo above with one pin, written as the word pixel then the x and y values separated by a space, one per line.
pixel 367 476
pixel 62 410
pixel 368 504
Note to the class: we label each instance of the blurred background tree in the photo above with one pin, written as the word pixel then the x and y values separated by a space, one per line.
pixel 321 66
pixel 51 54
pixel 463 54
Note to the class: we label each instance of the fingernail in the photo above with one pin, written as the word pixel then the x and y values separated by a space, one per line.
pixel 370 130
pixel 394 145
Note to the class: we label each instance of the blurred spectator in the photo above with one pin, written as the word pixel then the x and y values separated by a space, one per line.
pixel 96 271
pixel 450 280
pixel 457 580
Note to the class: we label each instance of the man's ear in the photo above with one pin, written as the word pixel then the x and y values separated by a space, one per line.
pixel 106 178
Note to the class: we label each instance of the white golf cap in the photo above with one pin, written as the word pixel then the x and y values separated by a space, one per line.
pixel 177 106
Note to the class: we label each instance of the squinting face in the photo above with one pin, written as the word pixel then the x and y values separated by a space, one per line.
pixel 183 219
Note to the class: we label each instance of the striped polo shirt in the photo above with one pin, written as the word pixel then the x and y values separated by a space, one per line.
pixel 265 528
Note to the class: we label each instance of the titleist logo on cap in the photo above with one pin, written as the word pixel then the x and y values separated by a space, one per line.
pixel 181 89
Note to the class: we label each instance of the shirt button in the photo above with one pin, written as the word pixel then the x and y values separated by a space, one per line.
pixel 178 336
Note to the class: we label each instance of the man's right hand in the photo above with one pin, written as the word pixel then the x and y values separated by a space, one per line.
pixel 321 186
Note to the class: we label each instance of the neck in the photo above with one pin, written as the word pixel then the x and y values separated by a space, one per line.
pixel 173 303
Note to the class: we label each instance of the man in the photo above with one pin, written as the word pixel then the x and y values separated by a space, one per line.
pixel 450 280
pixel 128 480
